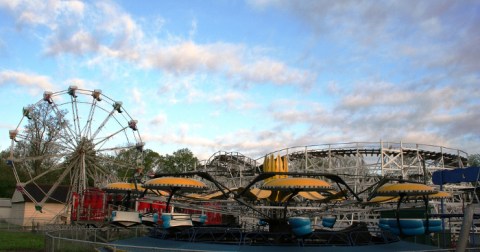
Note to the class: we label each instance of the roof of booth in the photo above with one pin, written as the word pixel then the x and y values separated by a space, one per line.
pixel 38 192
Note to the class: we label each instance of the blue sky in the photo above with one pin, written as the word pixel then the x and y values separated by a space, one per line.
pixel 254 76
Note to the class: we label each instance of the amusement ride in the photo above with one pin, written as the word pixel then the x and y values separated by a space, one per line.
pixel 343 194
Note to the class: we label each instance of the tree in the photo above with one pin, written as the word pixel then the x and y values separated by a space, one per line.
pixel 148 161
pixel 122 169
pixel 151 160
pixel 37 145
pixel 182 160
pixel 7 180
pixel 474 160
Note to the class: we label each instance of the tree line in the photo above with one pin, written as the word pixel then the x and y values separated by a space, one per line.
pixel 179 161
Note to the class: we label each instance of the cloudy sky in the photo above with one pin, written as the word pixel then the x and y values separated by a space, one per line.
pixel 254 76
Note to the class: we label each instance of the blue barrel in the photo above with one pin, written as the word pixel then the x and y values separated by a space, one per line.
pixel 166 220
pixel 301 226
pixel 434 225
pixel 262 223
pixel 203 218
pixel 329 221
pixel 383 224
pixel 409 227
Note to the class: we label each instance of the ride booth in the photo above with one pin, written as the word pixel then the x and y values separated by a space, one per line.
pixel 89 206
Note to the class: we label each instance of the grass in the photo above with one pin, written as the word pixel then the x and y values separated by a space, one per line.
pixel 21 241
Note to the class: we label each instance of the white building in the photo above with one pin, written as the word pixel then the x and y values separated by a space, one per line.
pixel 5 208
pixel 25 213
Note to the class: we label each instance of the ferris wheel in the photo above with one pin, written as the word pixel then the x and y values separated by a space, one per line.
pixel 76 139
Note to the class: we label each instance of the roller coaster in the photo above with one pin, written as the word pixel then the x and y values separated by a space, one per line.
pixel 362 165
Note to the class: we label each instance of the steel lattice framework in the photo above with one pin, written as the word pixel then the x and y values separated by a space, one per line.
pixel 360 164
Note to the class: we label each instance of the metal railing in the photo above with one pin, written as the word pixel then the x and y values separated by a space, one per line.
pixel 112 238
pixel 98 239
pixel 137 239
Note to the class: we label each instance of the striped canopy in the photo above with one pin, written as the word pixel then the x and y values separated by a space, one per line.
pixel 160 192
pixel 122 187
pixel 169 183
pixel 209 196
pixel 383 199
pixel 312 195
pixel 440 195
pixel 255 193
pixel 260 194
pixel 303 184
pixel 409 189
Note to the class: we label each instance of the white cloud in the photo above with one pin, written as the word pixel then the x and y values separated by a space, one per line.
pixel 188 57
pixel 116 34
pixel 399 101
pixel 137 96
pixel 159 119
pixel 434 34
pixel 35 83
pixel 37 12
pixel 79 43
pixel 229 98
pixel 80 83
pixel 267 70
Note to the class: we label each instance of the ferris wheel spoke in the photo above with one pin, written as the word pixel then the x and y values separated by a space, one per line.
pixel 56 142
pixel 56 184
pixel 12 163
pixel 59 145
pixel 67 145
pixel 117 106
pixel 105 139
pixel 118 148
pixel 102 176
pixel 87 129
pixel 69 133
pixel 26 193
pixel 113 162
pixel 76 119
pixel 35 158
pixel 98 175
pixel 95 167
pixel 33 179
pixel 119 165
pixel 78 175
pixel 94 172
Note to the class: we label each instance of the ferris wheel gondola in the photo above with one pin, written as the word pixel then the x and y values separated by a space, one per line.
pixel 73 137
